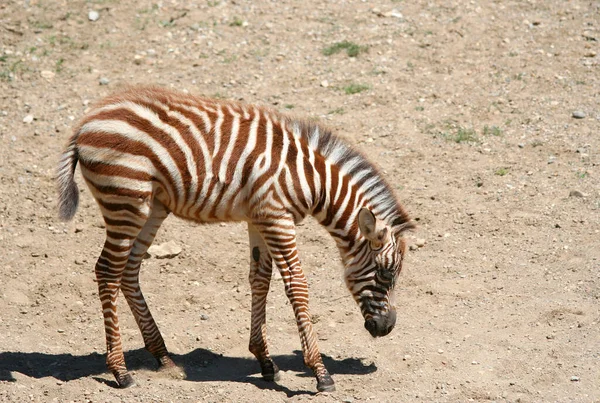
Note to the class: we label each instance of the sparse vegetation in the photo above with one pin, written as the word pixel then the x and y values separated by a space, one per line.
pixel 492 130
pixel 455 133
pixel 354 88
pixel 237 22
pixel 59 65
pixel 336 111
pixel 352 49
pixel 501 171
pixel 464 135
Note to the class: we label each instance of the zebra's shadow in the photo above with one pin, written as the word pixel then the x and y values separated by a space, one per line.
pixel 200 365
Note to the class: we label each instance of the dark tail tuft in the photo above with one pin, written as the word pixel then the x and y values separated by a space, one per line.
pixel 68 194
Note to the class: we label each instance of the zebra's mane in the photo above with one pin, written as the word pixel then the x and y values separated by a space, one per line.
pixel 335 150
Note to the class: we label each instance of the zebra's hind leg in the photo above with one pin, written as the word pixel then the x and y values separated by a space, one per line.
pixel 261 267
pixel 130 286
pixel 124 221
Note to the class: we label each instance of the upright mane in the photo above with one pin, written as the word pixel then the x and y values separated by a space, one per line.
pixel 377 191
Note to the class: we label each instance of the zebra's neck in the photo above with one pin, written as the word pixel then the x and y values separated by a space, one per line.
pixel 347 181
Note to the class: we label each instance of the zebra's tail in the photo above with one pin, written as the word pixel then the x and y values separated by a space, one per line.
pixel 68 193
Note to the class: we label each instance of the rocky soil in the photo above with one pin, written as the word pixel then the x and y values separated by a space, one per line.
pixel 484 116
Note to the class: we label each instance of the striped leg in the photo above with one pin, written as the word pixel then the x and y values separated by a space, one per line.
pixel 261 267
pixel 130 287
pixel 122 228
pixel 280 239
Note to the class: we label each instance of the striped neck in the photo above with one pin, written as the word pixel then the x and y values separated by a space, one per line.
pixel 347 182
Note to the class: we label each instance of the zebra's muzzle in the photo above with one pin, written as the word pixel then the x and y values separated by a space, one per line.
pixel 381 325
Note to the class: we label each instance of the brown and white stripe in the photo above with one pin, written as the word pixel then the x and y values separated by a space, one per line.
pixel 146 152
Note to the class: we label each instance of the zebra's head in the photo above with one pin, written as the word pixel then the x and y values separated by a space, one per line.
pixel 372 273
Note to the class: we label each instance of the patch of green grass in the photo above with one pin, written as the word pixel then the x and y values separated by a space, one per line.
pixel 213 3
pixel 5 75
pixel 336 111
pixel 419 108
pixel 352 49
pixel 8 72
pixel 492 130
pixel 59 65
pixel 3 58
pixel 147 10
pixel 464 135
pixel 42 24
pixel 288 106
pixel 501 171
pixel 237 22
pixel 581 174
pixel 167 23
pixel 456 133
pixel 354 88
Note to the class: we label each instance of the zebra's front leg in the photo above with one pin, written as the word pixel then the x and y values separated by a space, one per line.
pixel 261 267
pixel 280 238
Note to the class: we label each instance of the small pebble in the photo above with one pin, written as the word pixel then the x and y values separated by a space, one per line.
pixel 28 119
pixel 47 74
pixel 574 378
pixel 324 83
pixel 578 114
pixel 103 81
pixel 93 15
pixel 406 357
pixel 204 316
pixel 420 242
pixel 348 400
pixel 440 351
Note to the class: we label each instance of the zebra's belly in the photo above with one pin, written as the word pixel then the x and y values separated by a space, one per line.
pixel 212 200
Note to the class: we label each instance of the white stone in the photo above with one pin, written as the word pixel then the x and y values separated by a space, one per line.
pixel 93 15
pixel 47 74
pixel 166 250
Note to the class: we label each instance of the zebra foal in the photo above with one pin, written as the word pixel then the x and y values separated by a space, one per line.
pixel 147 152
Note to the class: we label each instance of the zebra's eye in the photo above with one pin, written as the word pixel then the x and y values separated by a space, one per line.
pixel 387 276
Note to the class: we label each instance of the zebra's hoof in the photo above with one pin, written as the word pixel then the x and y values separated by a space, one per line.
pixel 270 372
pixel 125 381
pixel 169 369
pixel 325 384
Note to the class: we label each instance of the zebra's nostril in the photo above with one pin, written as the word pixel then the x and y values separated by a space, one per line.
pixel 371 327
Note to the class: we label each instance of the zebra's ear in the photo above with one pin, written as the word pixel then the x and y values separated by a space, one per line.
pixel 373 230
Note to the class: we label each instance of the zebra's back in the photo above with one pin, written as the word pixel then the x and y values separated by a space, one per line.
pixel 205 160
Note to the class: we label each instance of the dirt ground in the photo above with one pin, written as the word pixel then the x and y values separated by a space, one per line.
pixel 484 116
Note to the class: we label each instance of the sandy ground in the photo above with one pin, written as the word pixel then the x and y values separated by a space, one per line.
pixel 484 116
